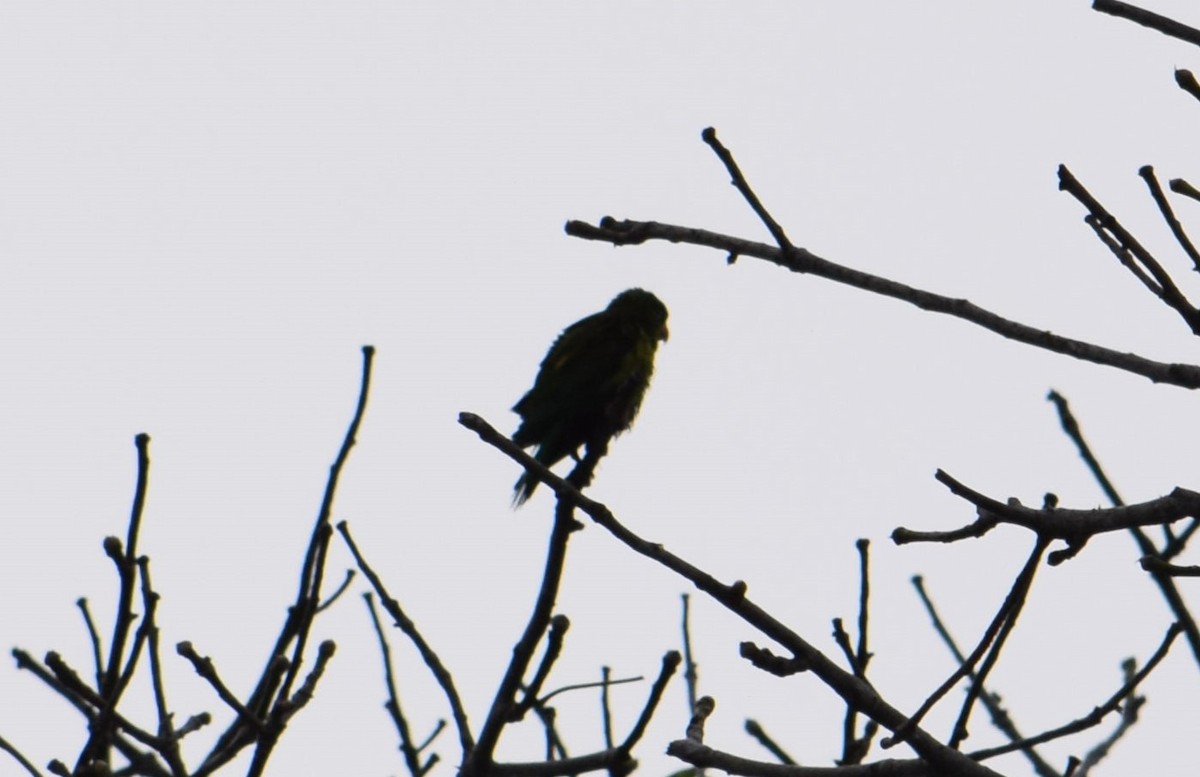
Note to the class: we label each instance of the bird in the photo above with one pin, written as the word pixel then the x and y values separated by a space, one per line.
pixel 591 383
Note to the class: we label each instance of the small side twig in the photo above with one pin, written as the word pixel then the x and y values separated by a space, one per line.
pixel 709 136
pixel 1132 250
pixel 754 729
pixel 559 624
pixel 166 728
pixel 19 757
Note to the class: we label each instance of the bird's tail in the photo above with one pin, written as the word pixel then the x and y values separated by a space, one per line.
pixel 523 489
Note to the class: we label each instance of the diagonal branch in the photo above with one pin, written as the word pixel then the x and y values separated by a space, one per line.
pixel 990 700
pixel 1163 580
pixel 1128 249
pixel 428 655
pixel 1168 214
pixel 800 260
pixel 1163 24
pixel 1098 713
pixel 851 689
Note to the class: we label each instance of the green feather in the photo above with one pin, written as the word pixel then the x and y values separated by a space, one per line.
pixel 591 382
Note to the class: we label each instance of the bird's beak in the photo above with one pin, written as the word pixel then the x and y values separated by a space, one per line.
pixel 665 334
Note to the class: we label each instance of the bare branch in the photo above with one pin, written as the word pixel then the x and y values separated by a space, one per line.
pixel 406 625
pixel 19 757
pixel 408 750
pixel 690 676
pixel 1073 526
pixel 1098 713
pixel 991 701
pixel 709 136
pixel 1154 564
pixel 1131 252
pixel 759 733
pixel 1163 24
pixel 1162 579
pixel 1168 214
pixel 94 638
pixel 800 260
pixel 852 689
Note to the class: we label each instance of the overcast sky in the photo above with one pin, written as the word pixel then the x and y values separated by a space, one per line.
pixel 207 209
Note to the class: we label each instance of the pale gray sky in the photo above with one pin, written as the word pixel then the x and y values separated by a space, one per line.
pixel 206 209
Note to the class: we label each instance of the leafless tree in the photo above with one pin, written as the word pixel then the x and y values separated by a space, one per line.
pixel 1161 529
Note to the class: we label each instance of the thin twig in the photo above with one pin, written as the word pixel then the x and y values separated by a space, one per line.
pixel 94 638
pixel 691 676
pixel 585 686
pixel 855 747
pixel 559 624
pixel 1164 287
pixel 709 136
pixel 205 667
pixel 500 712
pixel 1168 214
pixel 337 593
pixel 754 729
pixel 1071 427
pixel 272 683
pixel 406 625
pixel 407 749
pixel 166 729
pixel 114 681
pixel 864 597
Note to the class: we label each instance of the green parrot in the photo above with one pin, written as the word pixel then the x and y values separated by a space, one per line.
pixel 591 383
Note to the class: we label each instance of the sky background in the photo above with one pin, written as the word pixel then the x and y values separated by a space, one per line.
pixel 207 209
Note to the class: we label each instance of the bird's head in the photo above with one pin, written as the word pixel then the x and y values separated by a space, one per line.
pixel 643 310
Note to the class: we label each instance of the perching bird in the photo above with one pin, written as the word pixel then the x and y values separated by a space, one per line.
pixel 592 381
